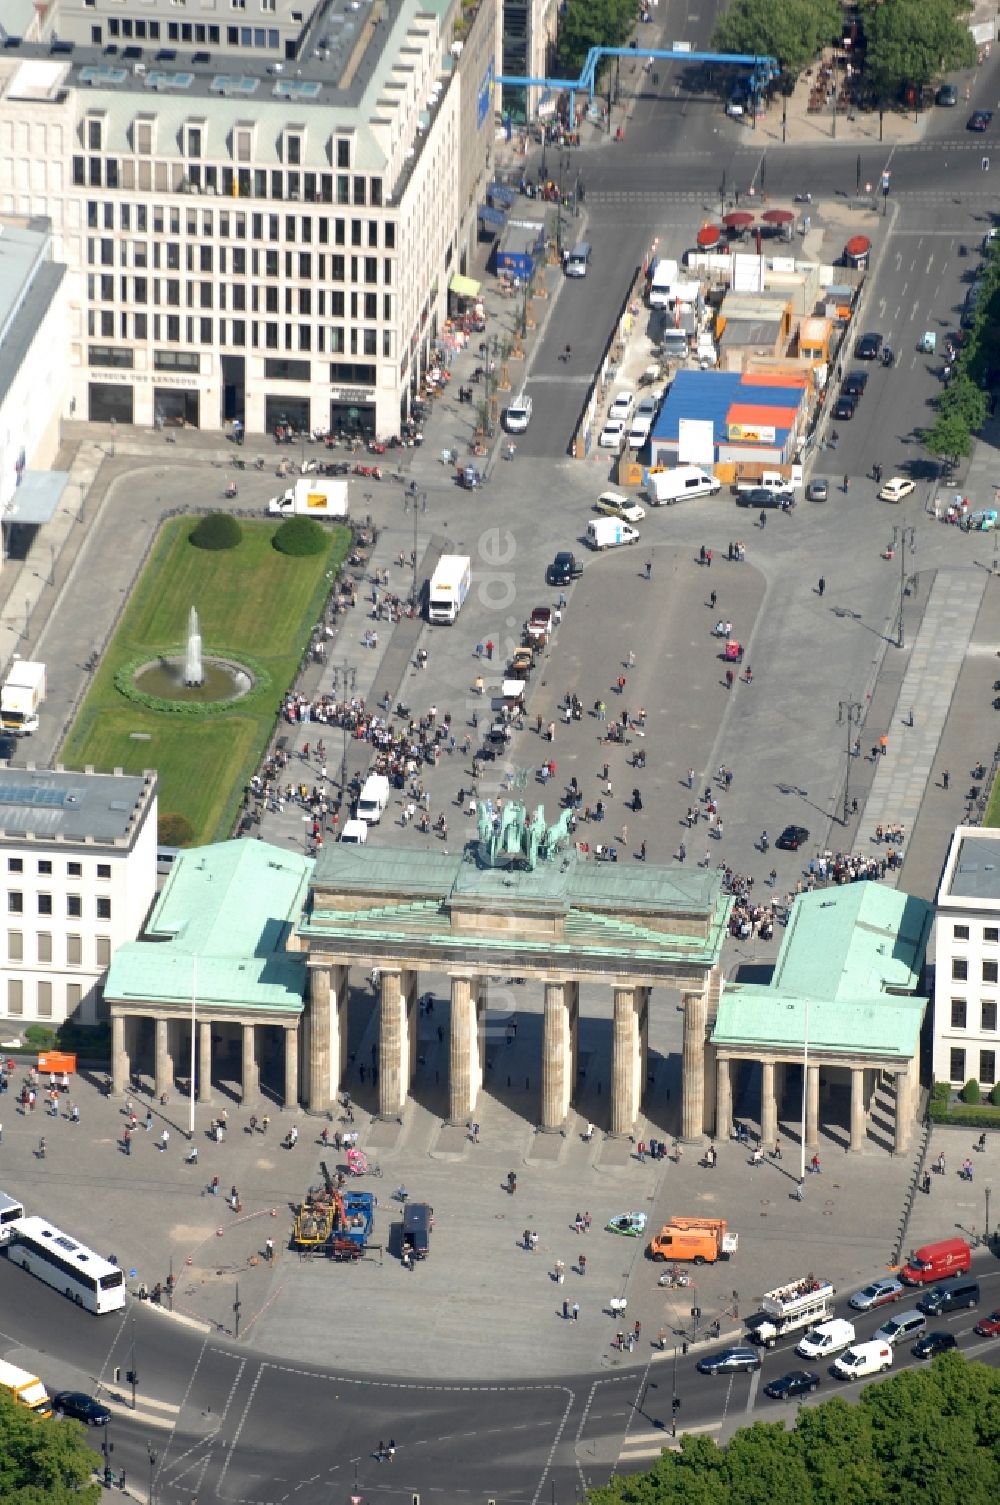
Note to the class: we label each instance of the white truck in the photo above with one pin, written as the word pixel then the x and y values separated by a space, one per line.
pixel 610 533
pixel 21 694
pixel 773 480
pixel 449 587
pixel 664 276
pixel 312 496
pixel 801 1303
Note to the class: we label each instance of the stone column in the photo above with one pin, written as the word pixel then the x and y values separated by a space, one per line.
pixel 693 1067
pixel 901 1136
pixel 340 993
pixel 626 1062
pixel 292 1067
pixel 780 1080
pixel 408 984
pixel 643 996
pixel 318 1063
pixel 857 1109
pixel 121 1066
pixel 392 1044
pixel 573 1006
pixel 556 1058
pixel 812 1107
pixel 251 1071
pixel 164 1064
pixel 463 1063
pixel 768 1106
pixel 204 1060
pixel 723 1098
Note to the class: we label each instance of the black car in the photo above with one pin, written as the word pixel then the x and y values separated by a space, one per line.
pixel 868 347
pixel 845 408
pixel 564 569
pixel 791 838
pixel 795 1382
pixel 979 120
pixel 932 1343
pixel 80 1407
pixel 730 1361
pixel 854 384
pixel 763 496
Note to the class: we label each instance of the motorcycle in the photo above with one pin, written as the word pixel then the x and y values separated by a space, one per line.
pixel 803 198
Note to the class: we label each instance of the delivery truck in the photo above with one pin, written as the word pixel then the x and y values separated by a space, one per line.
pixel 610 533
pixel 800 1303
pixel 312 496
pixel 449 587
pixel 25 1388
pixel 664 276
pixel 21 695
pixel 701 1240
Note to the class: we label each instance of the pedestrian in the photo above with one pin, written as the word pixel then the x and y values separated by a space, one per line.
pixel 587 1220
pixel 682 852
pixel 945 779
pixel 708 558
pixel 234 1199
pixel 730 678
pixel 815 1166
pixel 649 569
pixel 642 851
pixel 566 1309
pixel 164 1139
pixel 149 1120
pixel 985 164
pixel 264 1123
pixel 269 1250
pixel 581 1264
pixel 713 595
pixel 41 1148
pixel 213 1186
pixel 821 587
pixel 763 518
pixel 576 1311
pixel 641 1152
pixel 121 1472
pixel 690 778
pixel 776 1152
pixel 127 1139
pixel 489 648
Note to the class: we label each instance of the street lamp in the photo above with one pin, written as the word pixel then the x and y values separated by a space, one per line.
pixel 849 713
pixel 415 502
pixel 902 537
pixel 344 681
pixel 987 1189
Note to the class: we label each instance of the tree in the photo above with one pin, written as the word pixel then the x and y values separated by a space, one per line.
pixel 219 530
pixel 592 23
pixel 913 42
pixel 793 32
pixel 44 1462
pixel 948 437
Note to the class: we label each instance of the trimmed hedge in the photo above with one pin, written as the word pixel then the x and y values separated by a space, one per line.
pixel 219 530
pixel 300 536
pixel 970 1093
pixel 982 1117
pixel 125 683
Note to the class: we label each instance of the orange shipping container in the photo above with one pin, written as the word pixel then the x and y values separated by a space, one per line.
pixel 57 1061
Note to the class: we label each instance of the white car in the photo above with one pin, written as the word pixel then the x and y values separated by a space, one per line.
pixel 896 489
pixel 642 423
pixel 518 415
pixel 622 406
pixel 612 434
pixel 615 505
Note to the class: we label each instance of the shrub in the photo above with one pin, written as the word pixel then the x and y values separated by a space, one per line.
pixel 941 1091
pixel 300 536
pixel 970 1093
pixel 39 1037
pixel 219 530
pixel 995 1095
pixel 174 830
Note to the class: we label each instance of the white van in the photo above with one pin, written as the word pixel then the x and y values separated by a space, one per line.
pixel 578 260
pixel 664 487
pixel 610 533
pixel 862 1360
pixel 373 798
pixel 826 1339
pixel 355 833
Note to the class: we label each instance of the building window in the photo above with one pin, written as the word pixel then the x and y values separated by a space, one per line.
pixel 15 995
pixel 103 909
pixel 74 906
pixel 990 970
pixel 15 946
pixel 74 869
pixel 959 969
pixel 987 1067
pixel 45 1000
pixel 959 1013
pixel 74 950
pixel 961 932
pixel 343 152
pixel 989 1014
pixel 991 935
pixel 74 995
pixel 93 135
pixel 45 866
pixel 956 1065
pixel 15 902
pixel 102 949
pixel 44 903
pixel 44 945
pixel 15 864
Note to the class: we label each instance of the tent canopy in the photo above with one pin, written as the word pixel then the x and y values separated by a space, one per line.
pixel 464 287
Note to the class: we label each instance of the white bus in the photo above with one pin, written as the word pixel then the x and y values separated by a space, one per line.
pixel 78 1272
pixel 10 1211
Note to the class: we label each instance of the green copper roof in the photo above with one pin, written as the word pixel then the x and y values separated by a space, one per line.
pixel 219 928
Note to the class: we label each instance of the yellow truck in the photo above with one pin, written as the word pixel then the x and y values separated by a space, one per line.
pixel 27 1389
pixel 701 1240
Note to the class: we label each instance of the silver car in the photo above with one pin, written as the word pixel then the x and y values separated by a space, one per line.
pixel 879 1293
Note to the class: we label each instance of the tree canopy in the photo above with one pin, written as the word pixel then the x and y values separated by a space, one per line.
pixel 922 1437
pixel 963 406
pixel 593 23
pixel 794 32
pixel 44 1462
pixel 914 42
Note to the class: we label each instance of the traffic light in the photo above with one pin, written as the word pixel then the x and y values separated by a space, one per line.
pixel 131 1378
pixel 676 1403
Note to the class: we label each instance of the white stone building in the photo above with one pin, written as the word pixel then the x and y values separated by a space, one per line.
pixel 967 979
pixel 268 240
pixel 78 859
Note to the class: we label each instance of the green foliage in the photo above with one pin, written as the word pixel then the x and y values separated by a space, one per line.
pixel 219 530
pixel 39 1037
pixel 970 1093
pixel 949 437
pixel 174 830
pixel 794 32
pixel 963 406
pixel 911 42
pixel 995 1095
pixel 126 685
pixel 593 23
pixel 92 1041
pixel 300 537
pixel 922 1437
pixel 44 1462
pixel 982 1117
pixel 941 1091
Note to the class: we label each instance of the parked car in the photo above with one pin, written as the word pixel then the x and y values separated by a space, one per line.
pixel 80 1407
pixel 879 1293
pixel 765 496
pixel 932 1343
pixel 845 407
pixel 791 838
pixel 795 1382
pixel 612 434
pixel 895 489
pixel 730 1361
pixel 621 406
pixel 854 383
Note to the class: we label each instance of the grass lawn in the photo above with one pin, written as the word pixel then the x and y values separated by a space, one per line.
pixel 250 600
pixel 993 807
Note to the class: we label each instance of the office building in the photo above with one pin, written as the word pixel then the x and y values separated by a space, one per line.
pixel 967 975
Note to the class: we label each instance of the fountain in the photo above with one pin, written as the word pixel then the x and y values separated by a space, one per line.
pixel 193 672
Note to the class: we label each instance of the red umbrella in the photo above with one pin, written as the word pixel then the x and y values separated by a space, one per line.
pixel 708 235
pixel 858 245
pixel 739 219
pixel 778 216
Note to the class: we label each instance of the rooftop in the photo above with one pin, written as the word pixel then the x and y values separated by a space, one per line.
pixel 973 869
pixel 73 807
pixel 218 932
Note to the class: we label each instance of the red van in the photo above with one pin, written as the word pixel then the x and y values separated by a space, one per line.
pixel 952 1256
